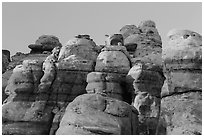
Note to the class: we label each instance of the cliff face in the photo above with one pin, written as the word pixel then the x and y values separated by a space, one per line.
pixel 131 86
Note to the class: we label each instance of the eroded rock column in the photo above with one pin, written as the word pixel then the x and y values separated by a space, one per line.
pixel 145 81
pixel 182 103
pixel 21 112
pixel 102 110
pixel 76 59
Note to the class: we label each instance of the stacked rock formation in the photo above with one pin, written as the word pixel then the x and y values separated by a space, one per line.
pixel 22 113
pixel 76 59
pixel 102 110
pixel 45 43
pixel 145 79
pixel 143 42
pixel 145 82
pixel 26 110
pixel 182 102
pixel 19 57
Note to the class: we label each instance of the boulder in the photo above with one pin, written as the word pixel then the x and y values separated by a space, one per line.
pixel 94 114
pixel 113 59
pixel 147 23
pixel 79 46
pixel 128 30
pixel 44 43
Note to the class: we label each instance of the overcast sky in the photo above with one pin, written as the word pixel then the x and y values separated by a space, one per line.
pixel 23 23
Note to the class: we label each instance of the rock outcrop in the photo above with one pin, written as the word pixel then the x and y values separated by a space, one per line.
pixel 145 81
pixel 132 85
pixel 181 105
pixel 103 110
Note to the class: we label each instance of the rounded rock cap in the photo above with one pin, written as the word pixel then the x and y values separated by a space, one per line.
pixel 147 23
pixel 45 43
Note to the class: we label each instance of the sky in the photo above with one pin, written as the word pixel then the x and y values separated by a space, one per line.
pixel 23 23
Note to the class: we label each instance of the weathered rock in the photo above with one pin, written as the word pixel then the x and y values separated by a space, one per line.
pixel 5 78
pixel 7 53
pixel 148 107
pixel 183 61
pixel 142 41
pixel 68 84
pixel 182 114
pixel 79 46
pixel 44 43
pixel 59 113
pixel 128 30
pixel 18 59
pixel 93 114
pixel 115 39
pixel 147 23
pixel 109 84
pixel 184 50
pixel 76 63
pixel 23 112
pixel 181 103
pixel 113 59
pixel 5 63
pixel 25 118
pixel 145 81
pixel 146 78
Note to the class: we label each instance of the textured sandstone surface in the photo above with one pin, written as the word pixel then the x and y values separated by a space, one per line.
pixel 132 85
pixel 181 104
pixel 145 82
pixel 113 59
pixel 143 40
pixel 94 114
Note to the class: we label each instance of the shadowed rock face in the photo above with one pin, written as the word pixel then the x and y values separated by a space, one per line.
pixel 5 63
pixel 7 53
pixel 181 103
pixel 145 81
pixel 115 39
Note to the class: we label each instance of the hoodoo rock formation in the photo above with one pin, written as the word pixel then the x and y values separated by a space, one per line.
pixel 181 104
pixel 132 85
pixel 102 110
